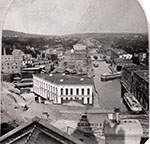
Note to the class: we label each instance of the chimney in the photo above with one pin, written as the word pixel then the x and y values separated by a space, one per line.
pixel 4 51
pixel 117 110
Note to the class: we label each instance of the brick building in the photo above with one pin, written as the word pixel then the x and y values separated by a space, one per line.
pixel 135 80
pixel 140 87
pixel 10 64
pixel 127 75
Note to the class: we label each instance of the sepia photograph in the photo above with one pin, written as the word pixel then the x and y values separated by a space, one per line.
pixel 74 72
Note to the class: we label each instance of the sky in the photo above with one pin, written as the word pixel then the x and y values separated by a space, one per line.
pixel 60 17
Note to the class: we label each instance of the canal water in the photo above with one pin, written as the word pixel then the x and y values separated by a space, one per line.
pixel 109 92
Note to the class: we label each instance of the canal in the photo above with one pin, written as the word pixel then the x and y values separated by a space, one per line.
pixel 109 92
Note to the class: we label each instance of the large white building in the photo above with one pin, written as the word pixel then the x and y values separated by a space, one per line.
pixel 79 47
pixel 60 88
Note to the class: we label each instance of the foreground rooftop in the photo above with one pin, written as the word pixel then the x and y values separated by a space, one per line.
pixel 38 131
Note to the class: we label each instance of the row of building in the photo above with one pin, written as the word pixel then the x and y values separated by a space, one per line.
pixel 135 79
pixel 120 58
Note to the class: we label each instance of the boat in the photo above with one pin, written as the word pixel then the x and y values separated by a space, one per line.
pixel 132 102
pixel 110 76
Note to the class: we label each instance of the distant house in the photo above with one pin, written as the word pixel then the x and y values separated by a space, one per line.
pixel 79 47
pixel 126 131
pixel 79 52
pixel 18 54
pixel 10 64
pixel 142 57
pixel 119 53
pixel 118 63
pixel 38 131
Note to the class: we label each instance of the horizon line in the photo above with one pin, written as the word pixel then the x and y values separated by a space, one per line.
pixel 76 33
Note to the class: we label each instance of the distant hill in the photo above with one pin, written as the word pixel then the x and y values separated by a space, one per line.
pixel 11 33
pixel 102 35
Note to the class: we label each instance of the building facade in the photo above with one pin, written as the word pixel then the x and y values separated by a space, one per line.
pixel 127 75
pixel 79 52
pixel 79 47
pixel 140 87
pixel 60 88
pixel 10 64
pixel 135 80
pixel 118 63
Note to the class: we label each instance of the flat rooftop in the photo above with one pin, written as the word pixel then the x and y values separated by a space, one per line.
pixel 119 51
pixel 132 68
pixel 66 79
pixel 120 60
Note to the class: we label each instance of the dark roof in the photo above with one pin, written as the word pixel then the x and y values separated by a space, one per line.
pixel 28 131
pixel 132 68
pixel 120 60
pixel 66 79
pixel 24 84
pixel 144 74
pixel 119 51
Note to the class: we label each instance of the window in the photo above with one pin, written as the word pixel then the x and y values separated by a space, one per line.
pixel 56 91
pixel 82 91
pixel 2 67
pixel 53 89
pixel 7 63
pixel 16 67
pixel 61 91
pixel 8 67
pixel 71 91
pixel 12 67
pixel 77 91
pixel 66 91
pixel 88 91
